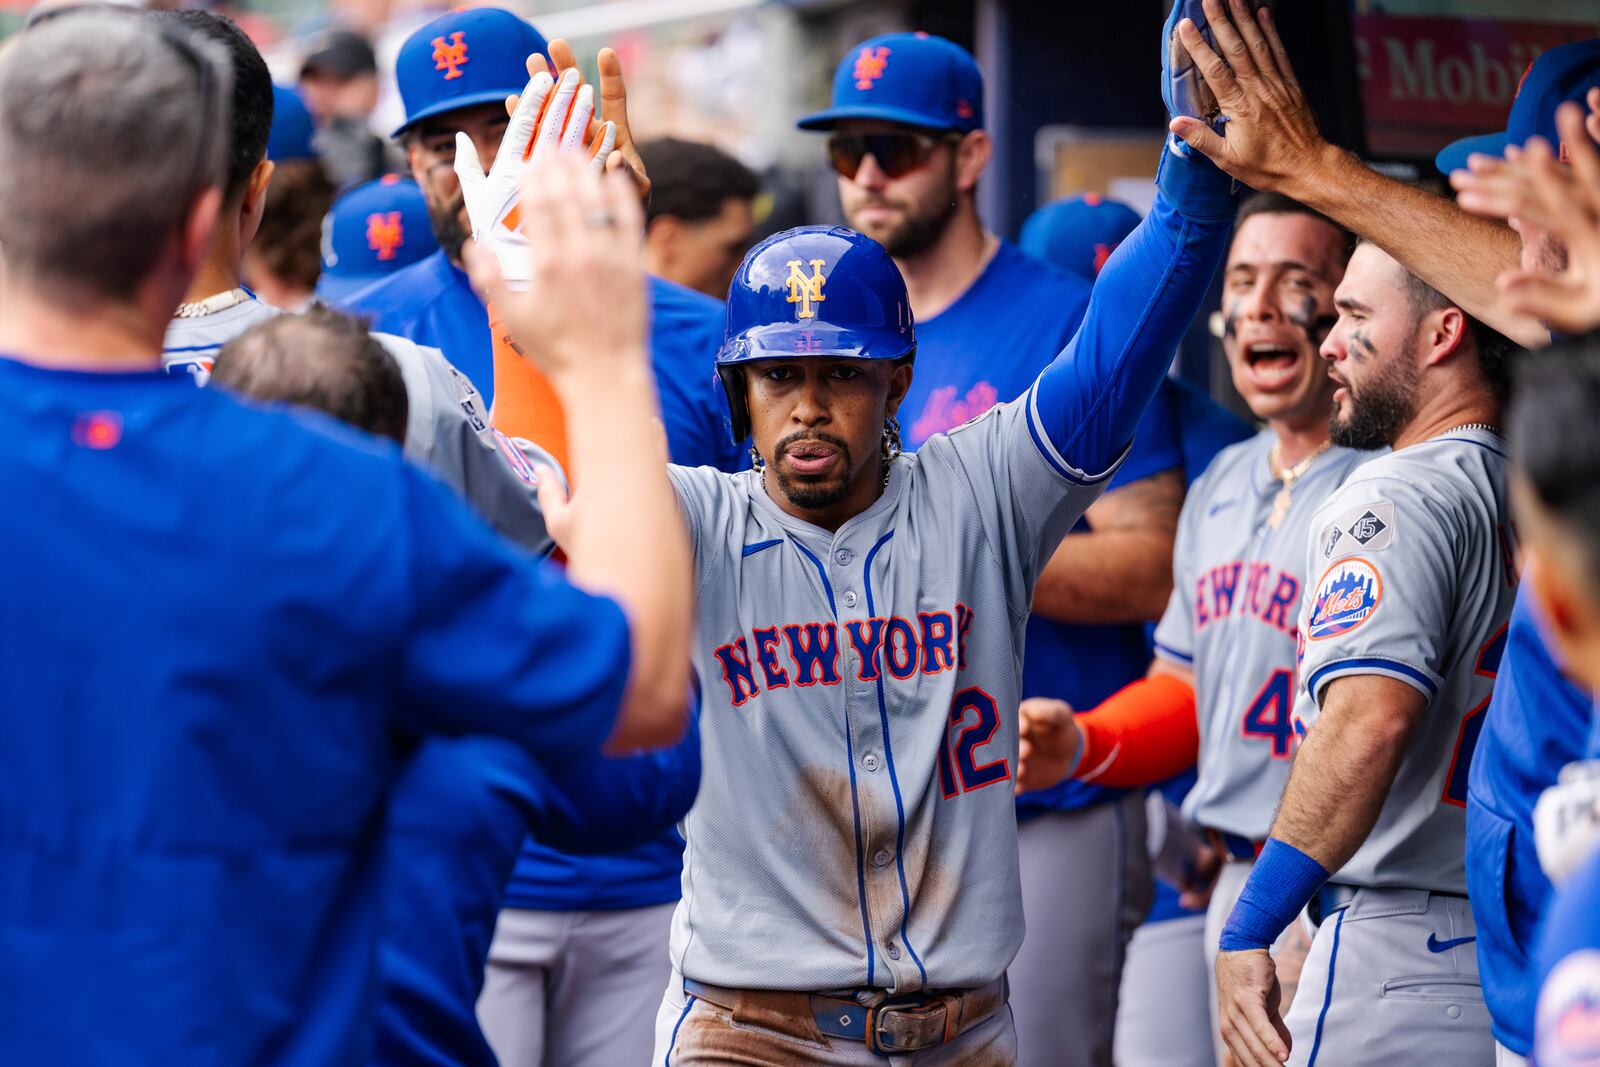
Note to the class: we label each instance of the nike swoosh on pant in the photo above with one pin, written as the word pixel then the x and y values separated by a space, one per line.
pixel 1435 945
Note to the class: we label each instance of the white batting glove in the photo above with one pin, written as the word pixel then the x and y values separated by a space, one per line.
pixel 550 118
pixel 1566 820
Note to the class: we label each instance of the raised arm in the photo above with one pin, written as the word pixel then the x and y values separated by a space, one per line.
pixel 582 319
pixel 1086 405
pixel 1273 144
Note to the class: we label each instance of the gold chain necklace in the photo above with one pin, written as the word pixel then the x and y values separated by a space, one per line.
pixel 1285 497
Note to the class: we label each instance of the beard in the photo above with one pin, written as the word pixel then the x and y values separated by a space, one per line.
pixel 920 225
pixel 448 228
pixel 802 492
pixel 1380 410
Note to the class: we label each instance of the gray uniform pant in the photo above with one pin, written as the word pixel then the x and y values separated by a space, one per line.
pixel 1162 1020
pixel 1393 978
pixel 575 989
pixel 1085 888
pixel 691 1032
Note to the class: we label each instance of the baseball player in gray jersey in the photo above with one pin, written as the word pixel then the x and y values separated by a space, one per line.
pixel 1226 645
pixel 1402 627
pixel 447 429
pixel 850 883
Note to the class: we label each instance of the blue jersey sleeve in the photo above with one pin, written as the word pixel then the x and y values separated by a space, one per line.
pixel 1155 447
pixel 1089 401
pixel 614 804
pixel 498 642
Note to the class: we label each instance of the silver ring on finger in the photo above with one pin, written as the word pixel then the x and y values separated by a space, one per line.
pixel 596 220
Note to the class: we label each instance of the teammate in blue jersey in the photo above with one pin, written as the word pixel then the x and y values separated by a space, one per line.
pixel 1551 426
pixel 192 868
pixel 462 807
pixel 1534 723
pixel 907 140
pixel 455 74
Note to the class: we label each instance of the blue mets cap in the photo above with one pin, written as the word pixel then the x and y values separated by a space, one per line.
pixel 372 231
pixel 910 78
pixel 1078 234
pixel 1564 73
pixel 462 59
pixel 290 137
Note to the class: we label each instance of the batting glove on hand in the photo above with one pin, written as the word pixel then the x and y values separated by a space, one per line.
pixel 551 118
pixel 1566 820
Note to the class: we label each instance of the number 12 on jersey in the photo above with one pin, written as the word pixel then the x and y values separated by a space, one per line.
pixel 978 717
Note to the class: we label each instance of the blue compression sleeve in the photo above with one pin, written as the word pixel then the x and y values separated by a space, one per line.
pixel 1089 401
pixel 1283 881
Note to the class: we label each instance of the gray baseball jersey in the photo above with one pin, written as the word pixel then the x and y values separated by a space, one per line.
pixel 1415 558
pixel 447 429
pixel 1233 618
pixel 855 824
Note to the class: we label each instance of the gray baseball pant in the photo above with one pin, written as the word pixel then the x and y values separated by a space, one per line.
pixel 1392 978
pixel 1162 1019
pixel 575 989
pixel 1085 888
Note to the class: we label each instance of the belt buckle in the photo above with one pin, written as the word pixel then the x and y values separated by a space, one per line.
pixel 881 1040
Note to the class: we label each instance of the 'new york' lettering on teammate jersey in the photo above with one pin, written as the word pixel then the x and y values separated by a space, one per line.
pixel 447 429
pixel 855 824
pixel 1415 559
pixel 1233 618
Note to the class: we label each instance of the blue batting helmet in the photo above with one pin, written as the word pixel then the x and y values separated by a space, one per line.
pixel 813 291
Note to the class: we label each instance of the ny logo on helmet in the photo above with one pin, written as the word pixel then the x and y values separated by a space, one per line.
pixel 385 234
pixel 806 291
pixel 870 65
pixel 449 56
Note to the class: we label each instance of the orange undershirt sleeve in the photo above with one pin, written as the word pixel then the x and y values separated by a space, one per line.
pixel 525 404
pixel 1142 734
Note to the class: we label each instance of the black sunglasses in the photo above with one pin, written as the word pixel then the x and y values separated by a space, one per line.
pixel 896 152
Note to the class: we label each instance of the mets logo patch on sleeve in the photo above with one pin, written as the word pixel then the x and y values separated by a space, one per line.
pixel 1569 1013
pixel 515 459
pixel 1345 598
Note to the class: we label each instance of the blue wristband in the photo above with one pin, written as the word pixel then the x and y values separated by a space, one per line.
pixel 1282 883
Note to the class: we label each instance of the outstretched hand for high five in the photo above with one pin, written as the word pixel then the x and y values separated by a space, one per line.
pixel 1543 197
pixel 551 118
pixel 583 305
pixel 1271 137
pixel 613 104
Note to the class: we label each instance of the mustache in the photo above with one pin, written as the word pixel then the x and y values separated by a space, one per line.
pixel 785 444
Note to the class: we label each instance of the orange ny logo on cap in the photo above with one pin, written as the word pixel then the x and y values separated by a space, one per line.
pixel 385 234
pixel 448 56
pixel 869 66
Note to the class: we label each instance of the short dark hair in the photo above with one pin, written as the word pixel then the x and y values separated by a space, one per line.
pixel 321 359
pixel 252 92
pixel 1270 203
pixel 690 180
pixel 1554 443
pixel 289 240
pixel 1495 350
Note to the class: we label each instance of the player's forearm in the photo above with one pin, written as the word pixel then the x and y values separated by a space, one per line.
pixel 1458 254
pixel 1144 733
pixel 1341 775
pixel 1115 576
pixel 1091 399
pixel 615 804
pixel 628 542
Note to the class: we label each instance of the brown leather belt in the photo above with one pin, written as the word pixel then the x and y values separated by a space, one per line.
pixel 886 1024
